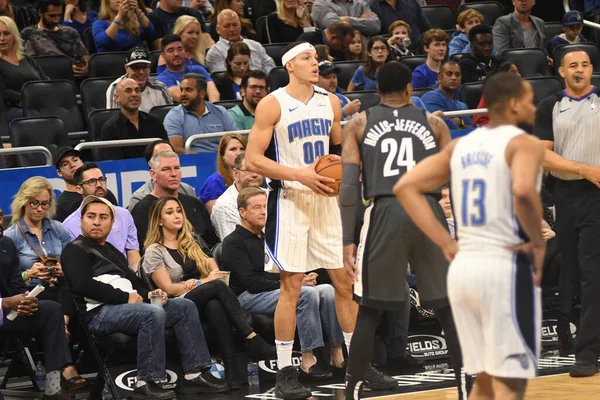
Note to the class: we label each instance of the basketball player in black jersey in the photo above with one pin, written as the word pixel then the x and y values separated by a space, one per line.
pixel 388 140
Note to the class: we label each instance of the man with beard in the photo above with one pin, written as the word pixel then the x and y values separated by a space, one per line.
pixel 445 97
pixel 519 29
pixel 194 115
pixel 137 66
pixel 50 38
pixel 129 123
pixel 480 63
pixel 174 55
pixel 67 161
pixel 253 89
pixel 123 234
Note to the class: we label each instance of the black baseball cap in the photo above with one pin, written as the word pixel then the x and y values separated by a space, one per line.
pixel 327 67
pixel 136 55
pixel 61 152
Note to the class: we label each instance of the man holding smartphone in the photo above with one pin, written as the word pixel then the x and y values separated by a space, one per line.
pixel 50 38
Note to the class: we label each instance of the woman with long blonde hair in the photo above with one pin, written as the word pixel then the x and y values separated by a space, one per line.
pixel 238 6
pixel 122 24
pixel 188 28
pixel 230 146
pixel 286 24
pixel 39 241
pixel 177 264
pixel 16 69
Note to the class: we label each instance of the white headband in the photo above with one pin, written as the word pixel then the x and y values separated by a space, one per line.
pixel 294 51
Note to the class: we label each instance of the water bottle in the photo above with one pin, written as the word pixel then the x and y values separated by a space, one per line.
pixel 40 376
pixel 106 394
pixel 253 374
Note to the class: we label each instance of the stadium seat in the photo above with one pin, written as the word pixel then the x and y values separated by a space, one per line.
pixel 275 51
pixel 440 17
pixel 88 41
pixel 217 252
pixel 544 86
pixel 590 48
pixel 491 10
pixel 348 68
pixel 596 80
pixel 93 94
pixel 456 57
pixel 154 56
pixel 49 98
pixel 161 111
pixel 421 91
pixel 228 103
pixel 56 66
pixel 413 61
pixel 96 119
pixel 41 131
pixel 532 62
pixel 368 98
pixel 470 94
pixel 217 75
pixel 107 64
pixel 551 29
pixel 278 77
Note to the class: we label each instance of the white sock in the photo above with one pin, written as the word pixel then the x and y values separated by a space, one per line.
pixel 140 383
pixel 347 340
pixel 52 383
pixel 284 353
pixel 191 375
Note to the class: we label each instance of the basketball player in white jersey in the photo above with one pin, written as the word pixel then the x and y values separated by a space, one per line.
pixel 294 126
pixel 495 175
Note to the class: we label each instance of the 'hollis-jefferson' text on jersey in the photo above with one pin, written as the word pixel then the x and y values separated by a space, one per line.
pixel 302 133
pixel 394 141
pixel 482 197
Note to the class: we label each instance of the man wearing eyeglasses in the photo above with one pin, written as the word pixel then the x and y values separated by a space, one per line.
pixel 137 66
pixel 253 89
pixel 129 123
pixel 90 180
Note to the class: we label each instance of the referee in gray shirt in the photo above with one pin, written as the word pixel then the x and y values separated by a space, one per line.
pixel 569 124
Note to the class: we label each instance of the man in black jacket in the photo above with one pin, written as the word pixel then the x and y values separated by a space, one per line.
pixel 258 291
pixel 480 63
pixel 34 317
pixel 113 299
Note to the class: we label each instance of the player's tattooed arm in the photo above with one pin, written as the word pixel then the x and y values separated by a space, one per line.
pixel 440 130
pixel 351 136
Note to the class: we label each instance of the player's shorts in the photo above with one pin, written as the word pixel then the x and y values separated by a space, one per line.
pixel 303 232
pixel 497 312
pixel 389 240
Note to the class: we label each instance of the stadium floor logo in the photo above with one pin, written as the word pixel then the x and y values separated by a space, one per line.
pixel 127 380
pixel 427 346
pixel 270 366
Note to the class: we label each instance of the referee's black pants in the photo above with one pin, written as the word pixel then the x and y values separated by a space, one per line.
pixel 578 237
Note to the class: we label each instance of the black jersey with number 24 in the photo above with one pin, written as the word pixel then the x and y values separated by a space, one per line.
pixel 394 141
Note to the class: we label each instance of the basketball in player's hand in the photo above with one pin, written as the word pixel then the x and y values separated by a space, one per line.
pixel 330 166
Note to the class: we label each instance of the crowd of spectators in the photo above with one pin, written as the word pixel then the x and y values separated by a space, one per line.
pixel 210 51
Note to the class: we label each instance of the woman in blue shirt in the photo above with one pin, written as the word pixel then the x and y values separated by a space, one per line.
pixel 237 64
pixel 122 25
pixel 39 242
pixel 77 16
pixel 365 77
pixel 230 146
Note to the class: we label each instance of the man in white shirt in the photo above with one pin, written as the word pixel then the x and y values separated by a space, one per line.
pixel 225 213
pixel 229 29
pixel 137 66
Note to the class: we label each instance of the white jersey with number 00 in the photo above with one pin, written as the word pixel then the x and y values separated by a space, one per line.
pixel 482 197
pixel 302 133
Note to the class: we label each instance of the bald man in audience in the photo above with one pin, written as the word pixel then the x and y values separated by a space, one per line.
pixel 129 123
pixel 229 29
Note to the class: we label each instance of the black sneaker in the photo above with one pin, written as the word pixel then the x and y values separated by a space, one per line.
pixel 375 380
pixel 315 373
pixel 152 391
pixel 288 387
pixel 203 383
pixel 405 360
pixel 583 368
